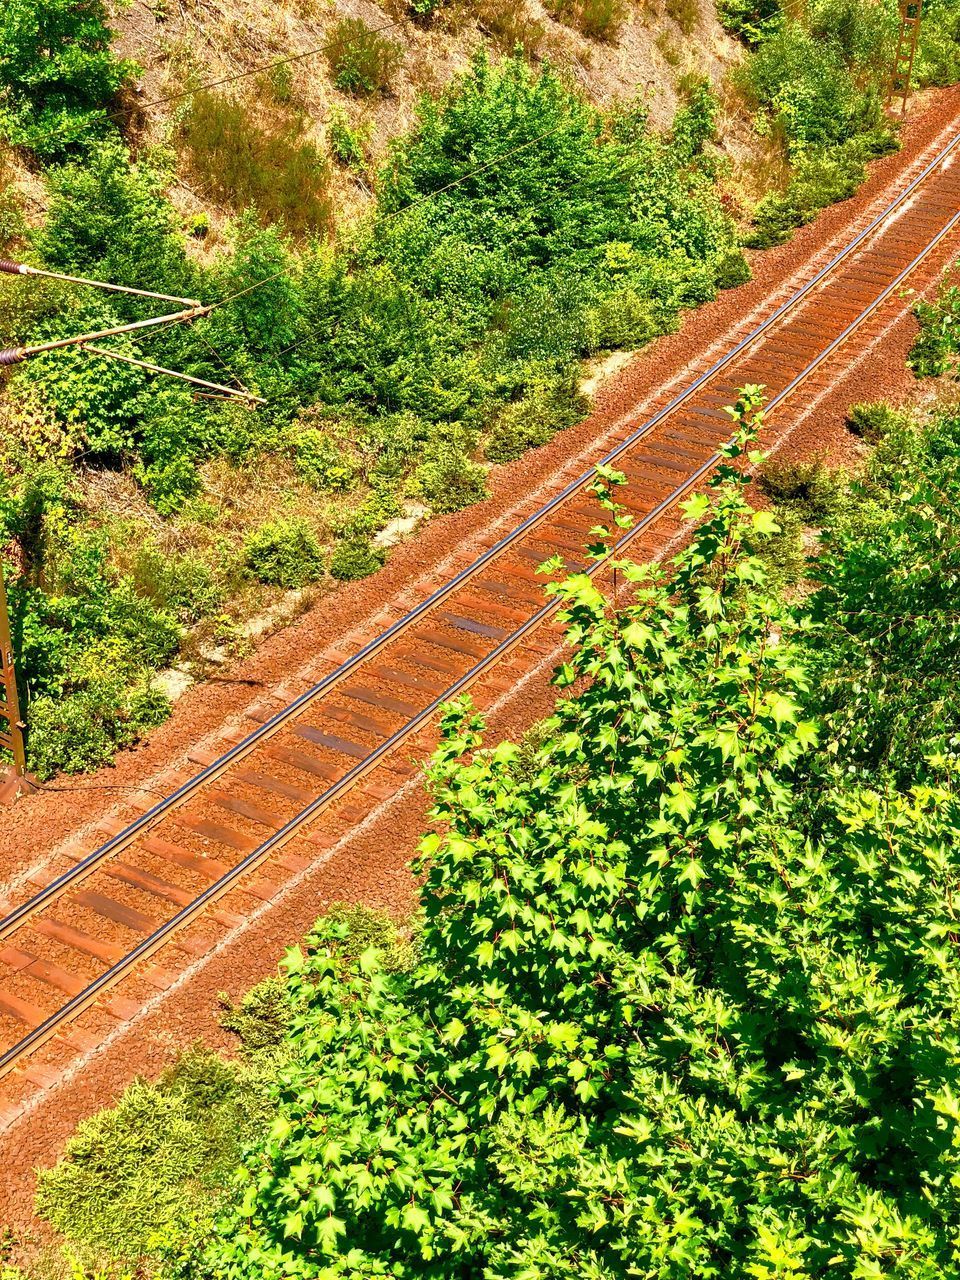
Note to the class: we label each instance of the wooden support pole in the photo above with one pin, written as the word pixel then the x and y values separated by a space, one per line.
pixel 12 727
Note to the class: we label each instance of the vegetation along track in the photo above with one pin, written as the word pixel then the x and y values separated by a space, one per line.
pixel 65 946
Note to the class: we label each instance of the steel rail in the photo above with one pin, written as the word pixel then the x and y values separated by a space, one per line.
pixel 110 977
pixel 271 726
pixel 240 750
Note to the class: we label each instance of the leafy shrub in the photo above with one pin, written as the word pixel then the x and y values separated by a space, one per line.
pixel 694 124
pixel 57 73
pixel 323 461
pixel 182 585
pixel 622 321
pixel 109 218
pixel 261 1019
pixel 479 1108
pixel 732 270
pixel 809 488
pixel 874 420
pixel 356 557
pixel 243 159
pixel 545 409
pixel 747 17
pixel 145 1167
pixel 362 61
pixel 888 675
pixel 79 731
pixel 284 553
pixel 448 479
pixel 934 351
pixel 348 143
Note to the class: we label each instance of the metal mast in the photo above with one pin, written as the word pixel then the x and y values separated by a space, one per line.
pixel 911 13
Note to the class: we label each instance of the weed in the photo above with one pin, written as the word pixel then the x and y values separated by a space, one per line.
pixel 261 1019
pixel 810 489
pixel 361 60
pixel 348 143
pixel 148 1164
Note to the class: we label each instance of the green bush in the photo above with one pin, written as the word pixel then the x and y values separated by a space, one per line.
pixel 261 1019
pixel 76 732
pixel 747 18
pixel 810 489
pixel 694 124
pixel 284 553
pixel 621 321
pixel 545 409
pixel 144 1169
pixel 732 270
pixel 324 462
pixel 935 349
pixel 243 157
pixel 361 60
pixel 348 143
pixel 660 1023
pixel 873 421
pixel 448 479
pixel 110 219
pixel 356 557
pixel 57 73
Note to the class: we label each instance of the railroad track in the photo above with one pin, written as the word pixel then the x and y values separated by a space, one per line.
pixel 147 887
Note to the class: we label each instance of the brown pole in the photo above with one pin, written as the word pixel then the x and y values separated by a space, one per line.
pixel 12 736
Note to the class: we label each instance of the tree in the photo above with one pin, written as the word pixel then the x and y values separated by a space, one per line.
pixel 57 73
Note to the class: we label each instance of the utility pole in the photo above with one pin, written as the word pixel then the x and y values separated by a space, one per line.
pixel 911 14
pixel 12 726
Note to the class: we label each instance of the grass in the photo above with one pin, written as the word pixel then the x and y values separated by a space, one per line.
pixel 240 161
pixel 598 19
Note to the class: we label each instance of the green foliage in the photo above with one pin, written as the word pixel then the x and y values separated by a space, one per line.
pixel 109 218
pixel 889 668
pixel 356 557
pixel 935 349
pixel 57 73
pixel 361 60
pixel 816 79
pixel 694 125
pixel 348 143
pixel 747 17
pixel 448 479
pixel 732 270
pixel 261 1019
pixel 243 156
pixel 656 1026
pixel 874 420
pixel 142 1171
pixel 545 408
pixel 284 553
pixel 79 731
pixel 810 488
